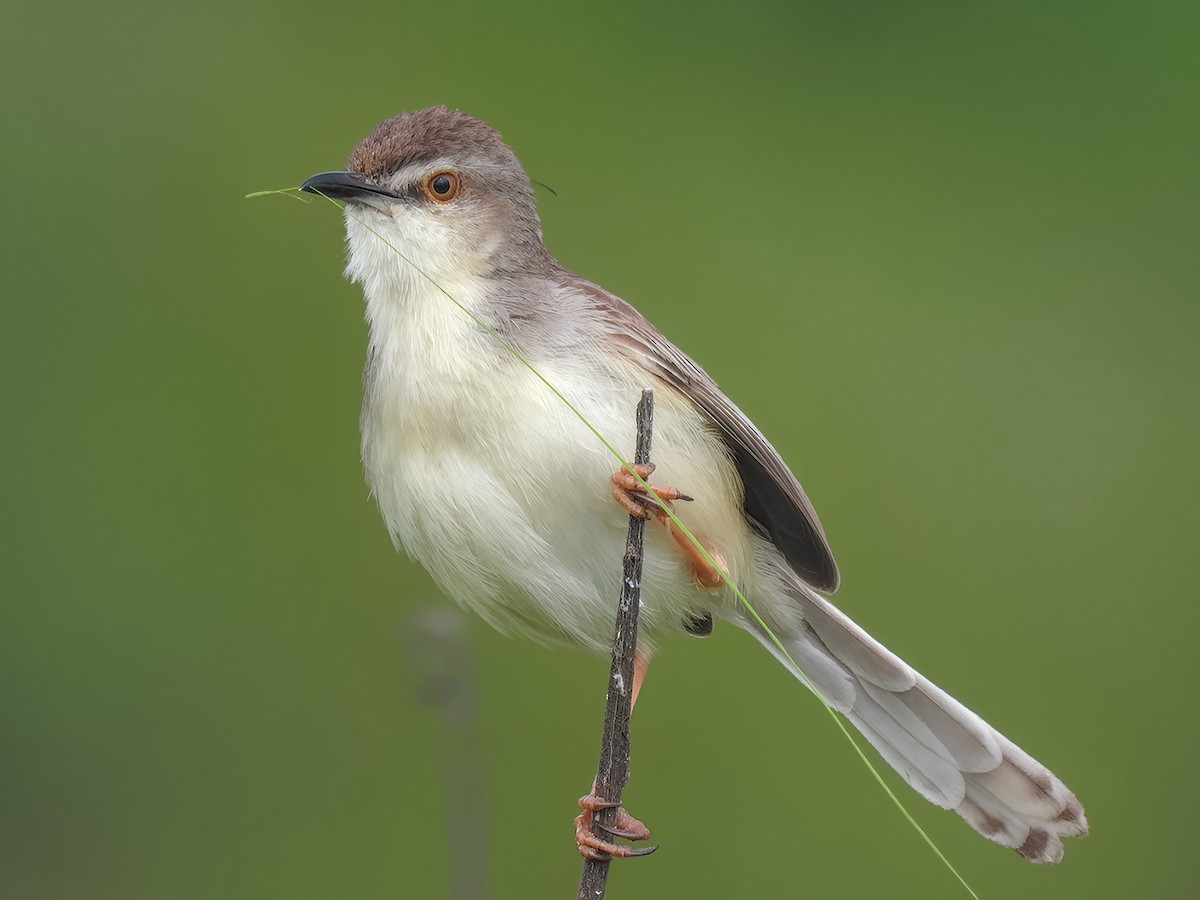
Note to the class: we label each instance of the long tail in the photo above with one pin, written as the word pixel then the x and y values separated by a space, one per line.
pixel 947 753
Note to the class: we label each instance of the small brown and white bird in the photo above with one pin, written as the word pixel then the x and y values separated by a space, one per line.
pixel 486 478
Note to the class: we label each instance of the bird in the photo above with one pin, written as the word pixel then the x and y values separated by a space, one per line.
pixel 490 481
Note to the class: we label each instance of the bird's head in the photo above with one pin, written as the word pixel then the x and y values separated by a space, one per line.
pixel 444 190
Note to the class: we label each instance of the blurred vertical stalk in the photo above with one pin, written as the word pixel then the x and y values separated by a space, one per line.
pixel 438 651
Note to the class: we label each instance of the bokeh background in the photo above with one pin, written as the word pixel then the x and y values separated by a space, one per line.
pixel 945 256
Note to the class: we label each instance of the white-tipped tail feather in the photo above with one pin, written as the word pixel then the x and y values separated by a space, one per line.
pixel 947 753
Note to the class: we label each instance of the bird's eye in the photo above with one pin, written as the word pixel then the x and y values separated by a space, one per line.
pixel 442 186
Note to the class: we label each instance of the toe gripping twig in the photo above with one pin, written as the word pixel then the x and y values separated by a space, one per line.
pixel 613 771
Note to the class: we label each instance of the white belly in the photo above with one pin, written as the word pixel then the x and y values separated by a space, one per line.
pixel 498 489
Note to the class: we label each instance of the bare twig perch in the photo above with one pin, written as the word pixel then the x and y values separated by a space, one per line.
pixel 613 771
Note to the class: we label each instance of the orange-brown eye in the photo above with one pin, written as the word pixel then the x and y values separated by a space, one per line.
pixel 442 186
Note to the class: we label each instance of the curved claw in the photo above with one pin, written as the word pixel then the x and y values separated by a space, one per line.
pixel 632 831
pixel 625 826
pixel 630 852
pixel 590 803
pixel 598 849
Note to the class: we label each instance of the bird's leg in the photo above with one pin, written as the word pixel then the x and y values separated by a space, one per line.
pixel 624 825
pixel 707 574
pixel 634 498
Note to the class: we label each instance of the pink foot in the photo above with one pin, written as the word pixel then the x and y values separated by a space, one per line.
pixel 625 826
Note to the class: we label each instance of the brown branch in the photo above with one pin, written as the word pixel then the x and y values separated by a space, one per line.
pixel 613 771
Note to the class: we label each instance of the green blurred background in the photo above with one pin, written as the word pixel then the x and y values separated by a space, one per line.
pixel 945 257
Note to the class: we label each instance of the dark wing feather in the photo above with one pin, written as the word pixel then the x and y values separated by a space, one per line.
pixel 774 500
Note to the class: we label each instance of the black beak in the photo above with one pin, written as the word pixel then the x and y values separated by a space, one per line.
pixel 344 186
